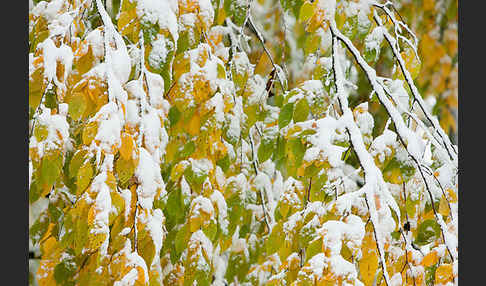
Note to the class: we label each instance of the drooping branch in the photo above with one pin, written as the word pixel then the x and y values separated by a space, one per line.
pixel 405 135
pixel 373 175
pixel 416 95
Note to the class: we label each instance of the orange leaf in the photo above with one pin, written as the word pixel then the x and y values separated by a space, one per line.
pixel 430 259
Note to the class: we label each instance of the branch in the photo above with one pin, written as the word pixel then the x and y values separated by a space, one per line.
pixel 408 78
pixel 373 175
pixel 380 253
pixel 262 41
pixel 254 161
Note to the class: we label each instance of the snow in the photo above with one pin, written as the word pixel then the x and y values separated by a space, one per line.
pixel 155 84
pixel 160 50
pixel 53 55
pixel 185 190
pixel 109 128
pixel 383 144
pixel 206 12
pixel 324 138
pixel 102 207
pixel 155 226
pixel 220 264
pixel 218 199
pixel 57 136
pixel 129 278
pixel 49 10
pixel 396 280
pixel 318 263
pixel 201 204
pixel 148 174
pixel 241 63
pixel 262 183
pixel 216 102
pixel 374 39
pixel 329 8
pixel 364 119
pixel 200 243
pixel 161 12
pixel 155 136
pixel 95 40
pixel 201 166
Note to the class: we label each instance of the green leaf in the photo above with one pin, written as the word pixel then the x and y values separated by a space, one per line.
pixel 77 106
pixel 38 229
pixel 83 178
pixel 285 115
pixel 174 115
pixel 311 43
pixel 50 100
pixel 81 231
pixel 224 163
pixel 124 170
pixel 76 161
pixel 301 111
pixel 183 42
pixel 51 168
pixel 235 9
pixel 188 149
pixel 275 240
pixel 147 249
pixel 64 272
pixel 313 248
pixel 174 209
pixel 410 206
pixel 182 238
pixel 237 266
pixel 235 211
pixel 211 230
pixel 41 132
pixel 293 5
pixel 195 179
pixel 34 192
pixel 427 232
pixel 265 150
pixel 54 212
pixel 395 235
pixel 371 55
pixel 298 149
pixel 150 30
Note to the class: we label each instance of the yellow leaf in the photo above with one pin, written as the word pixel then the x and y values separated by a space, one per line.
pixel 194 124
pixel 452 196
pixel 89 132
pixel 412 64
pixel 84 58
pixel 45 272
pixel 443 206
pixel 126 146
pixel 128 25
pixel 443 274
pixel 430 259
pixel 111 180
pixel 369 261
pixel 49 245
pixel 195 223
pixel 83 177
pixel 95 240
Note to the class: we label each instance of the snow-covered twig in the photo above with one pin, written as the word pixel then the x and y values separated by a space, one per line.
pixel 373 176
pixel 408 78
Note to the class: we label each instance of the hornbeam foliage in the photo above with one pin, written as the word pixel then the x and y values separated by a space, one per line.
pixel 265 142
